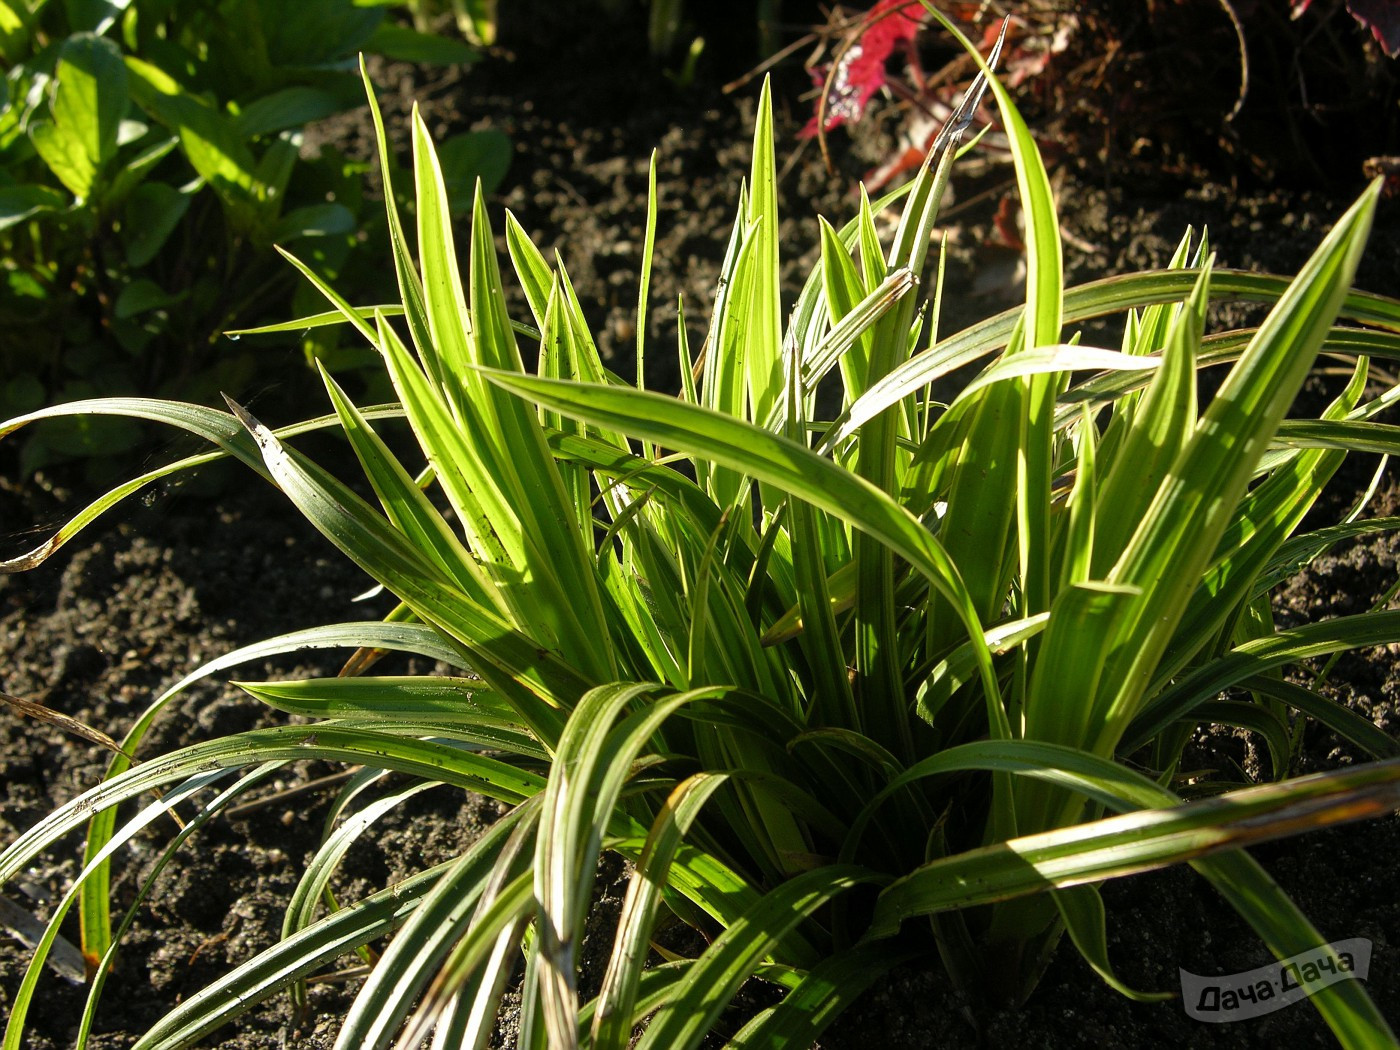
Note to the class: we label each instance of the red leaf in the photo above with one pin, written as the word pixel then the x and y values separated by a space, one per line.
pixel 861 70
pixel 1382 18
pixel 1004 224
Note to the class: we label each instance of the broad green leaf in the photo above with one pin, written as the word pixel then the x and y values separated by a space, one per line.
pixel 141 296
pixel 16 20
pixel 131 176
pixel 272 173
pixel 291 107
pixel 315 33
pixel 408 45
pixel 152 212
pixel 210 140
pixel 473 155
pixel 477 20
pixel 20 202
pixel 89 102
pixel 314 220
pixel 63 152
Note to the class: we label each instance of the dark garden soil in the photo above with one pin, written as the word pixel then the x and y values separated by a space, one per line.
pixel 191 572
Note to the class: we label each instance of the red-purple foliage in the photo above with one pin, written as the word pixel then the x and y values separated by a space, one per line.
pixel 860 71
pixel 1381 17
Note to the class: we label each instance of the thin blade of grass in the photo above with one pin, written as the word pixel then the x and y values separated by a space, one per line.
pixel 1162 420
pixel 820 997
pixel 1171 547
pixel 428 937
pixel 778 462
pixel 1135 841
pixel 763 324
pixel 1341 633
pixel 1099 298
pixel 172 413
pixel 515 665
pixel 321 320
pixel 615 1006
pixel 705 990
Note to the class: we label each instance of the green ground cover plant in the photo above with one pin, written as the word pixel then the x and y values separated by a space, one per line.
pixel 843 692
pixel 475 18
pixel 150 157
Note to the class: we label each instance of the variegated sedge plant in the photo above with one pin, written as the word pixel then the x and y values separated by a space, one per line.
pixel 843 693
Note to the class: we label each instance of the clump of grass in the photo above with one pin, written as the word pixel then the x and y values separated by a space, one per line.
pixel 842 692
